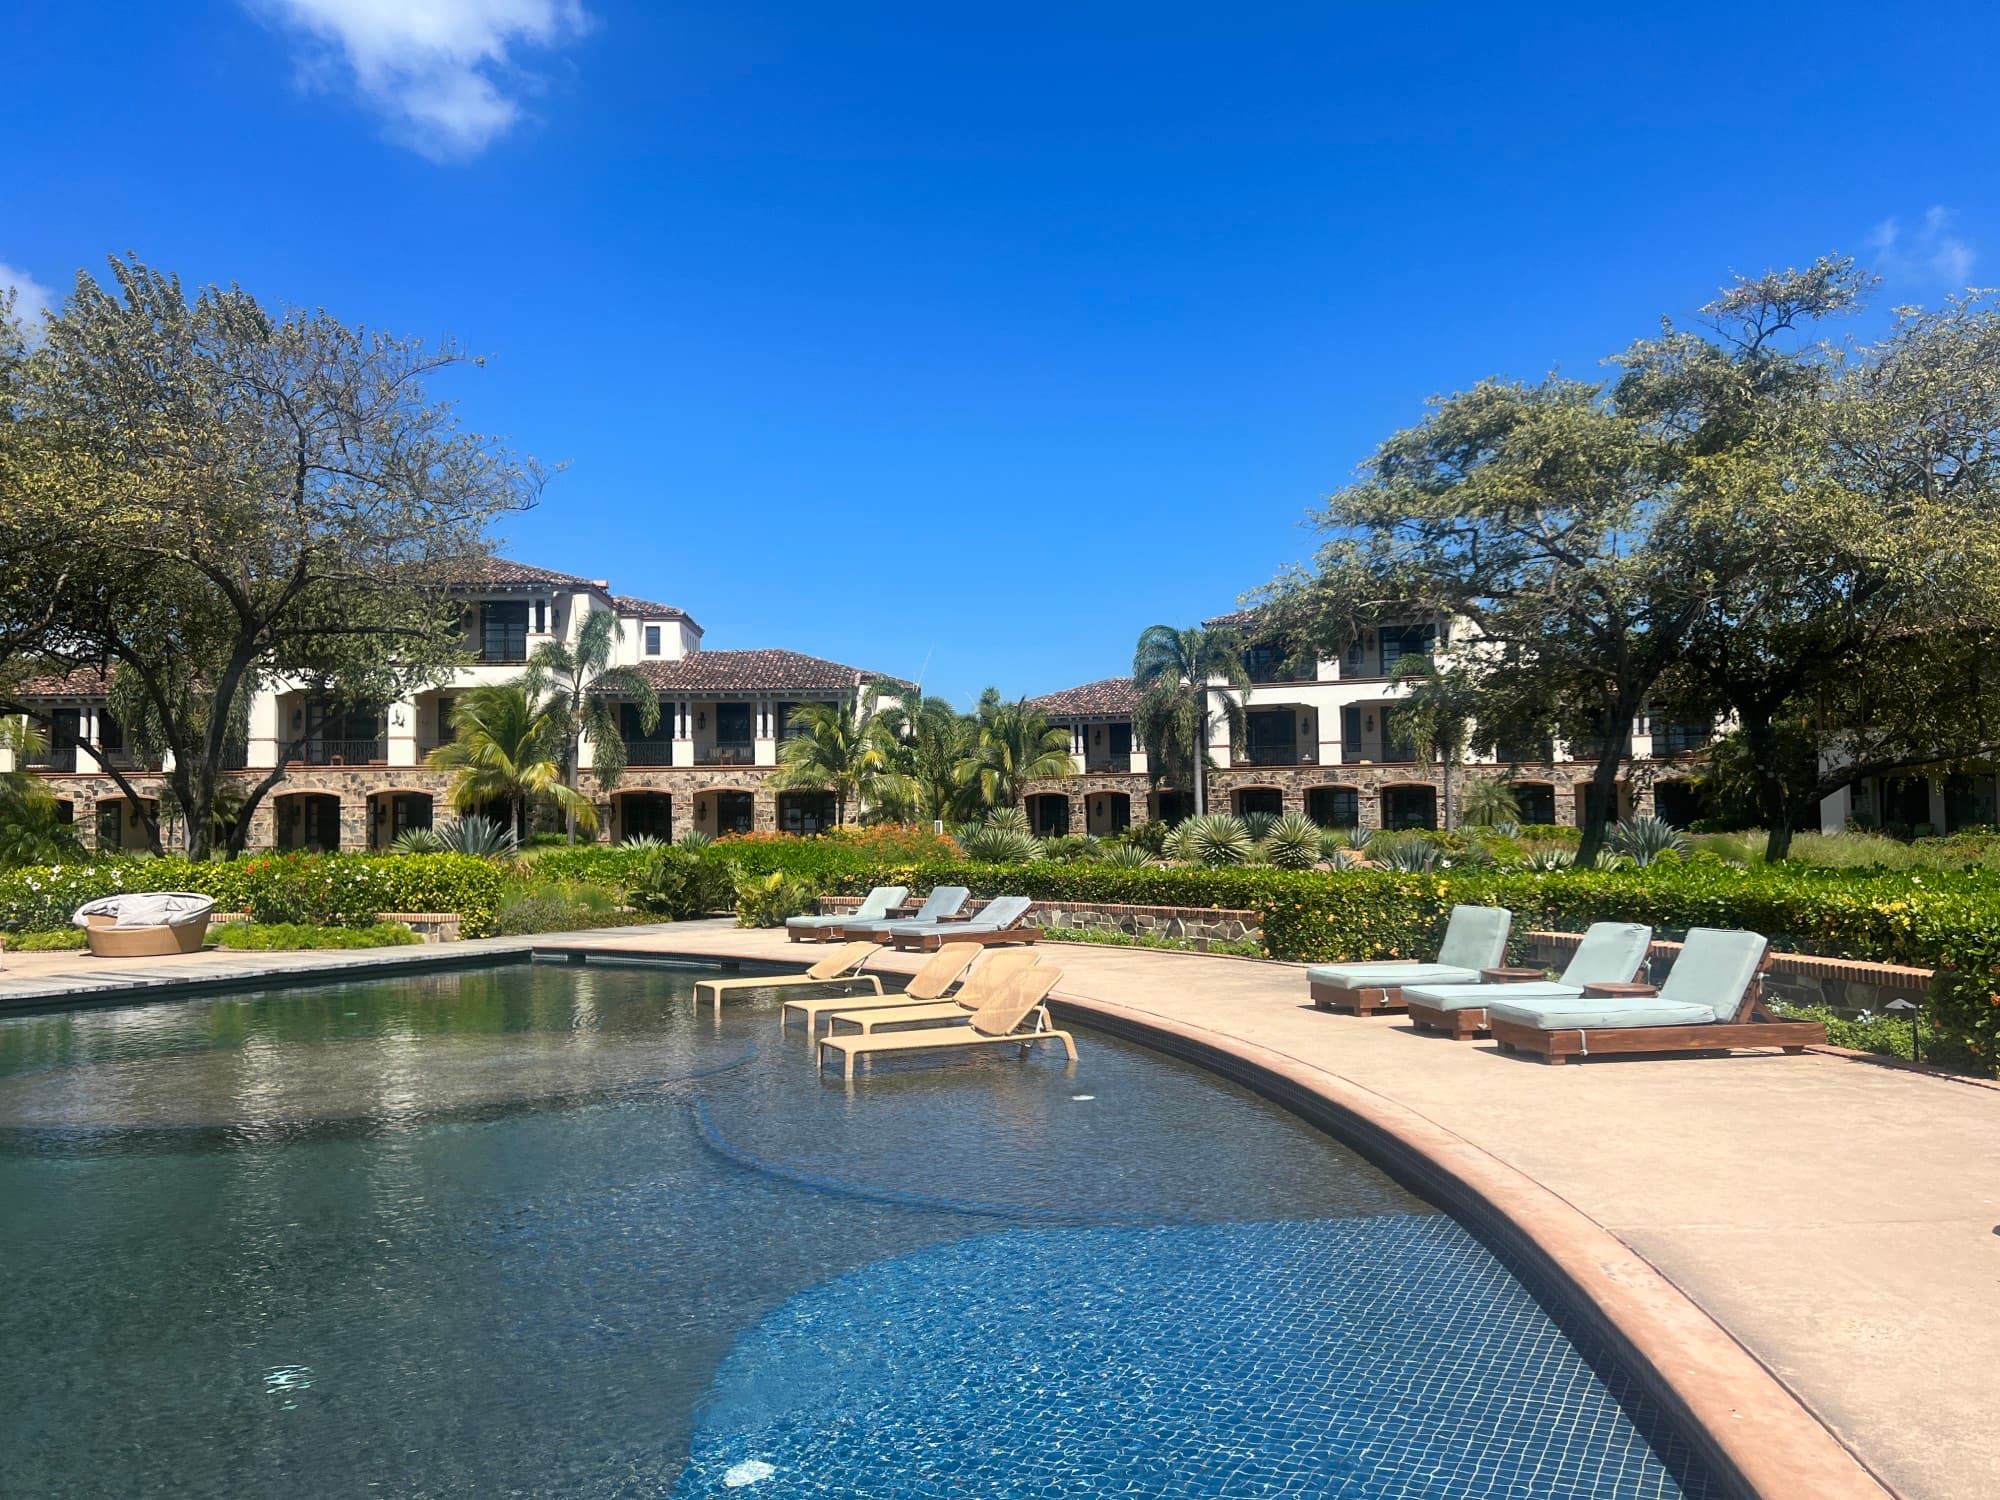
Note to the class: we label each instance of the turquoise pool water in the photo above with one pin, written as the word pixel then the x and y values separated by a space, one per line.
pixel 542 1230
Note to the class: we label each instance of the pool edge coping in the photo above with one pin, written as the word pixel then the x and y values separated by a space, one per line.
pixel 1755 1432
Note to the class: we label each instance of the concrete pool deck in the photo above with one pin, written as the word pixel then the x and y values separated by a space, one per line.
pixel 1835 1218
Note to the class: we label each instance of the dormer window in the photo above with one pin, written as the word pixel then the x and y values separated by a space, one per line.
pixel 652 640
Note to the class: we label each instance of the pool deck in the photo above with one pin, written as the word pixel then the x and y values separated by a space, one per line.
pixel 1833 1217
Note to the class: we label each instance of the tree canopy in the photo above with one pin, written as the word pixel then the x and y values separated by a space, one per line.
pixel 202 497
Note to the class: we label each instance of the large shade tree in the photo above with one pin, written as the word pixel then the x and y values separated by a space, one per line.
pixel 581 687
pixel 1172 670
pixel 204 498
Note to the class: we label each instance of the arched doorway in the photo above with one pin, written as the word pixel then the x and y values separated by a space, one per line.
pixel 1409 806
pixel 1258 801
pixel 1681 803
pixel 805 812
pixel 1334 806
pixel 1172 807
pixel 308 821
pixel 645 815
pixel 1536 800
pixel 1107 813
pixel 725 810
pixel 1048 815
pixel 121 824
pixel 393 814
pixel 1586 798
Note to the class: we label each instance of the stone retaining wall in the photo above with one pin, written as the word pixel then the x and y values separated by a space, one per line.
pixel 1846 985
pixel 1198 926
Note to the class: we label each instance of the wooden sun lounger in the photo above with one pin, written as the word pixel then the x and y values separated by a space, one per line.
pixel 932 982
pixel 1474 939
pixel 1610 953
pixel 1747 1022
pixel 992 937
pixel 841 966
pixel 1019 1017
pixel 1468 1022
pixel 983 985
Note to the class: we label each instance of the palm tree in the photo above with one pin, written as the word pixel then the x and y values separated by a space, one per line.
pixel 582 685
pixel 1437 716
pixel 507 748
pixel 1172 669
pixel 32 831
pixel 843 751
pixel 1012 746
pixel 931 739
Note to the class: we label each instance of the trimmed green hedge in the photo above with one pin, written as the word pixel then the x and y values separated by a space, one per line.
pixel 338 890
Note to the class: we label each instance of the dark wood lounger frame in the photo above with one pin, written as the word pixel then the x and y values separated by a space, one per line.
pixel 1360 1002
pixel 1467 1023
pixel 1751 1026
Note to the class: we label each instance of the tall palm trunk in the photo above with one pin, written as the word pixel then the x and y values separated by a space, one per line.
pixel 1201 752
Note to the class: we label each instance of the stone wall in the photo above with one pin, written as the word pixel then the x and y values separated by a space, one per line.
pixel 1846 985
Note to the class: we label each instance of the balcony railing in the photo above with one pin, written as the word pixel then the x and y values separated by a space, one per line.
pixel 63 760
pixel 727 753
pixel 1271 755
pixel 1100 764
pixel 649 752
pixel 1681 739
pixel 341 753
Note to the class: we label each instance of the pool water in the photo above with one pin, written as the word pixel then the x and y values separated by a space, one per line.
pixel 545 1230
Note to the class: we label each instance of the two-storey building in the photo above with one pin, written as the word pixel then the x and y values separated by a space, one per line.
pixel 357 779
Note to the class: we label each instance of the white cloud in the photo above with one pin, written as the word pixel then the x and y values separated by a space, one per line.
pixel 31 298
pixel 443 73
pixel 1930 252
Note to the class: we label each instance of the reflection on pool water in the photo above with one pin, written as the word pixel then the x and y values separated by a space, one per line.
pixel 545 1231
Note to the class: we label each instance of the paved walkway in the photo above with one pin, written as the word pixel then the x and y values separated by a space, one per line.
pixel 1837 1217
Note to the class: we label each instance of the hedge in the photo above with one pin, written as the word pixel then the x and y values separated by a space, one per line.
pixel 320 889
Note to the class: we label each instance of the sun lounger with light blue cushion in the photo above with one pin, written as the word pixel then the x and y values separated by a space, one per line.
pixel 1475 938
pixel 1709 1003
pixel 943 901
pixel 874 908
pixel 998 921
pixel 1610 953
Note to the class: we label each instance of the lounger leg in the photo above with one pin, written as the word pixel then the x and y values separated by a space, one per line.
pixel 1069 1043
pixel 849 1056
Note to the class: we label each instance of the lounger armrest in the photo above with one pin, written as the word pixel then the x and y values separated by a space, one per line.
pixel 1607 990
pixel 1510 976
pixel 964 916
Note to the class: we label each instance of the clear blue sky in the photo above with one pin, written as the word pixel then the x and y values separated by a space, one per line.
pixel 982 335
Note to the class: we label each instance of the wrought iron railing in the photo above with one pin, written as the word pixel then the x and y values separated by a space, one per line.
pixel 727 753
pixel 341 753
pixel 649 752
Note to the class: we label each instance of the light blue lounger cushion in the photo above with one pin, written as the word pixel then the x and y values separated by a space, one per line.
pixel 1390 976
pixel 1610 953
pixel 1000 912
pixel 1475 938
pixel 1473 996
pixel 1706 985
pixel 943 901
pixel 1580 1014
pixel 879 903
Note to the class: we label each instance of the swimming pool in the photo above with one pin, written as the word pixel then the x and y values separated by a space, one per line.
pixel 542 1230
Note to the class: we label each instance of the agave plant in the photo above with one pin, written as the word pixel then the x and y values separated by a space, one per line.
pixel 419 841
pixel 473 834
pixel 1292 842
pixel 1009 820
pixel 1343 859
pixel 1357 838
pixel 1215 839
pixel 992 845
pixel 1411 856
pixel 641 842
pixel 694 838
pixel 1644 839
pixel 1260 824
pixel 1611 859
pixel 1549 859
pixel 1123 856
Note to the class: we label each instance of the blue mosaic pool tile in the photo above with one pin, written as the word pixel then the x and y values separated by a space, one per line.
pixel 1362 1359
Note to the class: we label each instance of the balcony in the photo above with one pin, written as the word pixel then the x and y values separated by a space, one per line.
pixel 649 752
pixel 1680 739
pixel 56 762
pixel 1274 755
pixel 726 753
pixel 341 753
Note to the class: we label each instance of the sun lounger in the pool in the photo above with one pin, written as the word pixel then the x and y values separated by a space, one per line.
pixel 1019 1017
pixel 982 985
pixel 943 901
pixel 931 983
pixel 842 966
pixel 874 908
pixel 1709 1003
pixel 1610 953
pixel 1000 920
pixel 1474 939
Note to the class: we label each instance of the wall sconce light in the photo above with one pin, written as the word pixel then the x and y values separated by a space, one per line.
pixel 701 813
pixel 396 717
pixel 701 719
pixel 298 717
pixel 1370 723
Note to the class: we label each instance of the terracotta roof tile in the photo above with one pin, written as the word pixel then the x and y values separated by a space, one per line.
pixel 82 682
pixel 500 571
pixel 1241 619
pixel 753 671
pixel 1108 695
pixel 626 604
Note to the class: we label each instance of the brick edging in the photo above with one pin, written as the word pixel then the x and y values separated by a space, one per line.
pixel 1804 965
